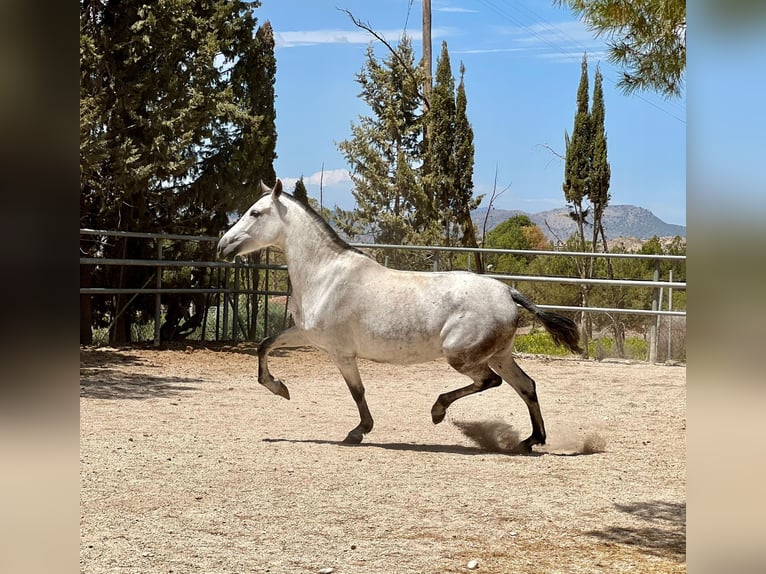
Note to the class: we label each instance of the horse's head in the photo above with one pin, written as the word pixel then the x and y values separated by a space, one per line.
pixel 261 226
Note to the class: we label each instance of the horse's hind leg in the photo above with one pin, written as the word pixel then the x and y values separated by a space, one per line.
pixel 348 368
pixel 292 337
pixel 524 385
pixel 483 378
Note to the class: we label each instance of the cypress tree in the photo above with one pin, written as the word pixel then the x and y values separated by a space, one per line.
pixel 578 153
pixel 600 172
pixel 300 193
pixel 576 186
pixel 464 158
pixel 440 166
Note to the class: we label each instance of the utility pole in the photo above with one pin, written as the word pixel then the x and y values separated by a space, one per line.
pixel 427 82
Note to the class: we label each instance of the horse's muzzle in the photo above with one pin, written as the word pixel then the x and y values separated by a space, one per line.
pixel 224 249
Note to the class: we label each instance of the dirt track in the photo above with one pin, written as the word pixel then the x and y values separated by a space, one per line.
pixel 188 465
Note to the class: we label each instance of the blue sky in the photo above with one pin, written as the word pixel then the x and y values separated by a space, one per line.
pixel 522 62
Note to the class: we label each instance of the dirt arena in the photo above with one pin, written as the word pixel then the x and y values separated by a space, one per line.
pixel 187 465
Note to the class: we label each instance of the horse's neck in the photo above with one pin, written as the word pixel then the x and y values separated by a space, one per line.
pixel 310 252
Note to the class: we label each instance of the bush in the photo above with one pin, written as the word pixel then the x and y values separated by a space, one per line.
pixel 540 343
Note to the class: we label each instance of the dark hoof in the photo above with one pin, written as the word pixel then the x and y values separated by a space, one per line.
pixel 354 437
pixel 437 413
pixel 525 446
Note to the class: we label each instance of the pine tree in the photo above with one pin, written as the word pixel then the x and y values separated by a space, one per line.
pixel 176 127
pixel 646 38
pixel 385 151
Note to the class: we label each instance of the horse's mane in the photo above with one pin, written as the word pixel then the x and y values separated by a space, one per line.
pixel 336 239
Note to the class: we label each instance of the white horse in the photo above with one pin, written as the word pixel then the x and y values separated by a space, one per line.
pixel 346 304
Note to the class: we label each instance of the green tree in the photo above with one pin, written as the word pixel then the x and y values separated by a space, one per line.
pixel 440 164
pixel 449 163
pixel 517 232
pixel 600 172
pixel 465 202
pixel 587 177
pixel 577 160
pixel 176 129
pixel 575 186
pixel 385 151
pixel 646 37
pixel 301 193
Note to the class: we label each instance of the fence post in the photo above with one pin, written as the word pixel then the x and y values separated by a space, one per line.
pixel 158 297
pixel 670 317
pixel 235 303
pixel 655 303
pixel 266 296
pixel 226 303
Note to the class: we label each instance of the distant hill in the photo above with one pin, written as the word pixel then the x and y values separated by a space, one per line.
pixel 619 221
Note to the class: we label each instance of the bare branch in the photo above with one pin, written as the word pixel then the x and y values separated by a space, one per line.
pixel 410 72
pixel 552 232
pixel 553 151
pixel 492 198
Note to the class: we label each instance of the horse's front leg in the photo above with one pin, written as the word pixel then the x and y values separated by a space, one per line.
pixel 292 337
pixel 350 372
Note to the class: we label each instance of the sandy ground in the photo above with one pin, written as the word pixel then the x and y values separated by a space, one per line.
pixel 189 466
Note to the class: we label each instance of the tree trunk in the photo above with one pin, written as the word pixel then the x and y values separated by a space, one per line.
pixel 469 240
pixel 585 323
pixel 86 310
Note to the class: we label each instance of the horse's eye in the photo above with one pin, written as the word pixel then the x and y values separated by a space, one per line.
pixel 254 213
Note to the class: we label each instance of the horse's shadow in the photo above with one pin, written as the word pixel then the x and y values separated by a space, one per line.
pixel 405 446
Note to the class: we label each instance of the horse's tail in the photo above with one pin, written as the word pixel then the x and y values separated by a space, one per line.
pixel 562 329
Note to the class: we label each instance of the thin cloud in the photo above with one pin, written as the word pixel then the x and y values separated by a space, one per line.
pixel 455 9
pixel 329 177
pixel 488 50
pixel 303 38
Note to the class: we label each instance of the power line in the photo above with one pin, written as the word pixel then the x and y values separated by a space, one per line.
pixel 564 37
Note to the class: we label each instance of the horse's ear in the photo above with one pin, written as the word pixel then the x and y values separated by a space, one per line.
pixel 265 188
pixel 277 191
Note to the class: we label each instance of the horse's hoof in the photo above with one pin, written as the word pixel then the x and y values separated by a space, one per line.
pixel 277 387
pixel 525 446
pixel 354 437
pixel 282 390
pixel 437 413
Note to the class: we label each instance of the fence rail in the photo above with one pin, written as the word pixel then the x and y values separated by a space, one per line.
pixel 231 292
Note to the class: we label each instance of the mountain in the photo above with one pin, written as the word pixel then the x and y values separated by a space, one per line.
pixel 619 221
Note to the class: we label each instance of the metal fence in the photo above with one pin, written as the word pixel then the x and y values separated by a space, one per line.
pixel 245 289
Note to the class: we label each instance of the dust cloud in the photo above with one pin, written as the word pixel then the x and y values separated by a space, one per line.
pixel 498 436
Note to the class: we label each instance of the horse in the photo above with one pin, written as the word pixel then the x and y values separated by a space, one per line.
pixel 349 306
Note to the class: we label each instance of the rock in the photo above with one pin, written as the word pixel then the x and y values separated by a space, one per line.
pixel 326 571
pixel 472 564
